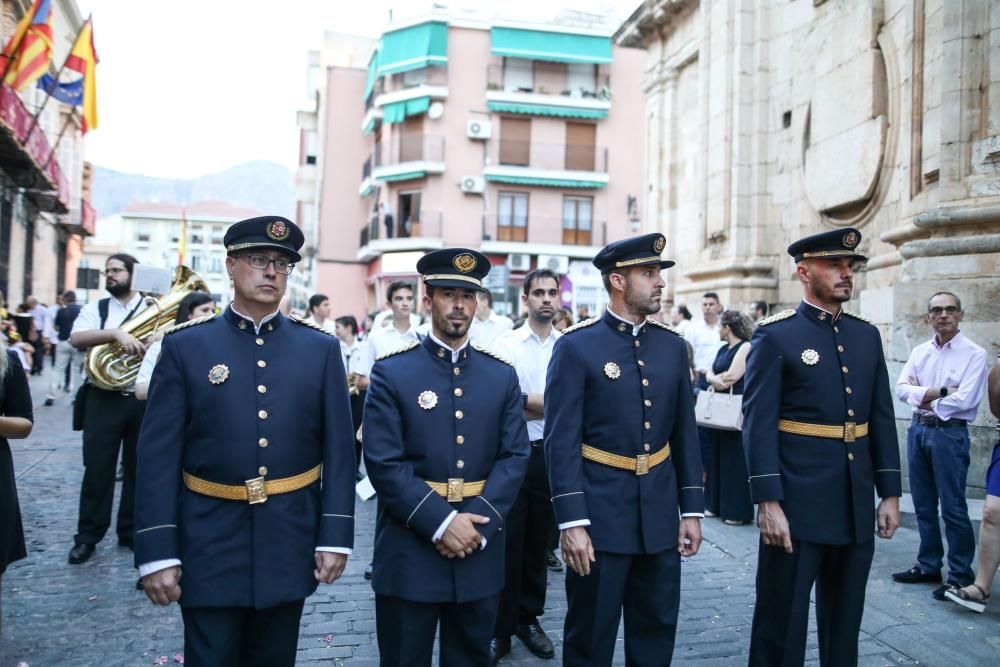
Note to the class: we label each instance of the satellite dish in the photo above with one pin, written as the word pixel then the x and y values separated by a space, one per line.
pixel 435 111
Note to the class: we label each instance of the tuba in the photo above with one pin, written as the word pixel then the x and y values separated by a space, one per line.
pixel 107 366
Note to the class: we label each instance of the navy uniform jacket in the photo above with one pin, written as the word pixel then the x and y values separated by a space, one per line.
pixel 825 485
pixel 284 407
pixel 474 430
pixel 649 404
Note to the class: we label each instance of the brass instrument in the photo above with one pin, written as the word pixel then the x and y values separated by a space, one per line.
pixel 352 384
pixel 107 366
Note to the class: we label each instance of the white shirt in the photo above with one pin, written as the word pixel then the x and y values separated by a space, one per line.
pixel 683 325
pixel 89 318
pixel 958 363
pixel 383 341
pixel 484 332
pixel 353 355
pixel 705 342
pixel 531 356
pixel 50 325
pixel 328 324
pixel 148 363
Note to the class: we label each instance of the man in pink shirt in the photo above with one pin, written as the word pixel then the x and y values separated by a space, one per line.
pixel 943 381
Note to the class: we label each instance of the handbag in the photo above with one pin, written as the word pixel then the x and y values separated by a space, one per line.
pixel 723 411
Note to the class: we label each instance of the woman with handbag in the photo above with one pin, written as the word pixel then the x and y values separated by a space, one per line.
pixel 729 494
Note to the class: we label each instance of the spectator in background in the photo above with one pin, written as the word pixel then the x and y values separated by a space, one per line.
pixel 41 316
pixel 680 317
pixel 977 594
pixel 352 350
pixel 486 324
pixel 759 310
pixel 943 381
pixel 386 210
pixel 562 320
pixel 66 368
pixel 319 312
pixel 703 335
pixel 368 325
pixel 51 338
pixel 728 494
pixel 191 307
pixel 582 313
pixel 24 328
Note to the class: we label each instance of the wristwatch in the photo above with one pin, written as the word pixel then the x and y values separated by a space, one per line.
pixel 943 391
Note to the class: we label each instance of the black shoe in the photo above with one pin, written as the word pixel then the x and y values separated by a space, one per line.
pixel 552 561
pixel 126 541
pixel 536 640
pixel 917 576
pixel 368 571
pixel 81 553
pixel 49 402
pixel 138 585
pixel 942 589
pixel 498 649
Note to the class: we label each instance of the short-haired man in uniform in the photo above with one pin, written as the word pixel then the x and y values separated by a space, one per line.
pixel 446 449
pixel 246 463
pixel 820 439
pixel 624 464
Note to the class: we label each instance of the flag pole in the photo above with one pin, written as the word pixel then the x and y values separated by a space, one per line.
pixel 70 116
pixel 182 241
pixel 55 83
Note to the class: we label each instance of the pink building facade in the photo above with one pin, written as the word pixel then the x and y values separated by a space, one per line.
pixel 524 142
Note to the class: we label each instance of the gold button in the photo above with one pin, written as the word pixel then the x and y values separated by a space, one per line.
pixel 850 457
pixel 646 446
pixel 642 363
pixel 460 464
pixel 849 390
pixel 636 343
pixel 645 382
pixel 836 330
pixel 260 341
pixel 262 442
pixel 648 403
pixel 850 413
pixel 459 414
pixel 460 439
pixel 840 348
pixel 648 426
pixel 843 368
pixel 262 414
pixel 262 471
pixel 457 371
pixel 458 391
pixel 261 363
pixel 261 389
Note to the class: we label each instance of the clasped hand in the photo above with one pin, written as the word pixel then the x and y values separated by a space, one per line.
pixel 461 537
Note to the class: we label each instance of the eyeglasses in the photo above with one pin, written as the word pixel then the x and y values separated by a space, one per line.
pixel 108 272
pixel 261 262
pixel 937 310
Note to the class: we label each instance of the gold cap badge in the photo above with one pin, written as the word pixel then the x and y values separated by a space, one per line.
pixel 277 230
pixel 427 399
pixel 612 371
pixel 850 240
pixel 464 262
pixel 659 244
pixel 810 357
pixel 218 374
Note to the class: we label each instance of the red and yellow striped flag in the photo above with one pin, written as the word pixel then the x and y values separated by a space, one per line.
pixel 26 56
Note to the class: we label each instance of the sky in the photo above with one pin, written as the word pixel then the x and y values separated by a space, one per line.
pixel 191 87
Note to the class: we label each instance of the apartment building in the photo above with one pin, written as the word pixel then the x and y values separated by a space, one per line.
pixel 521 140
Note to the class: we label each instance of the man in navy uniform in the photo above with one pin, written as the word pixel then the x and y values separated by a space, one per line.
pixel 820 439
pixel 246 463
pixel 624 464
pixel 446 448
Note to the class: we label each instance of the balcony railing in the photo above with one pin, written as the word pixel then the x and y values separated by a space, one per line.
pixel 514 229
pixel 419 224
pixel 410 148
pixel 366 168
pixel 548 81
pixel 31 159
pixel 427 76
pixel 572 157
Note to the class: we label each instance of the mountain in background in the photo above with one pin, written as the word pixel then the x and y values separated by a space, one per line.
pixel 266 186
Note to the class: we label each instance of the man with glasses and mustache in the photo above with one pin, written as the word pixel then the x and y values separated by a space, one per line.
pixel 111 419
pixel 819 433
pixel 943 381
pixel 245 492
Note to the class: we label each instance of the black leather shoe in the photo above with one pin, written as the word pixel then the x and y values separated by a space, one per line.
pixel 536 640
pixel 498 649
pixel 49 402
pixel 552 561
pixel 81 553
pixel 917 576
pixel 368 571
pixel 127 542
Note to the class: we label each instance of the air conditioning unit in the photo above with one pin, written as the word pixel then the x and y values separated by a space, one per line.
pixel 479 129
pixel 557 263
pixel 473 184
pixel 519 261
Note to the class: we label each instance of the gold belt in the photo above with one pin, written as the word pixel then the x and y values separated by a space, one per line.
pixel 456 489
pixel 254 491
pixel 640 464
pixel 848 432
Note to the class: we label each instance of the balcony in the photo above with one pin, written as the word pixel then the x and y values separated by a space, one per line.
pixel 506 234
pixel 419 231
pixel 411 93
pixel 548 165
pixel 408 157
pixel 367 184
pixel 547 90
pixel 81 220
pixel 28 158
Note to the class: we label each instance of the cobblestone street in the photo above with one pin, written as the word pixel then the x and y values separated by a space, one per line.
pixel 59 614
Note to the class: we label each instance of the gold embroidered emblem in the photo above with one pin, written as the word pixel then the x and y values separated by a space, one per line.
pixel 218 374
pixel 464 262
pixel 659 244
pixel 277 230
pixel 810 357
pixel 243 324
pixel 612 371
pixel 850 240
pixel 427 399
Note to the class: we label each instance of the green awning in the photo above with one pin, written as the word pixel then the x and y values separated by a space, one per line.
pixel 397 112
pixel 370 125
pixel 546 110
pixel 372 74
pixel 407 176
pixel 558 47
pixel 414 47
pixel 367 189
pixel 545 182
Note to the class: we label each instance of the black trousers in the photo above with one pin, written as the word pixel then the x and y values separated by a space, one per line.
pixel 357 416
pixel 781 615
pixel 406 631
pixel 528 527
pixel 647 586
pixel 111 423
pixel 241 636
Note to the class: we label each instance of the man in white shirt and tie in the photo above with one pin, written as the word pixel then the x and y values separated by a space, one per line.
pixel 400 330
pixel 943 381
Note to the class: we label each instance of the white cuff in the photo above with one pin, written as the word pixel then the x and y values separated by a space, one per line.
pixel 700 515
pixel 574 524
pixel 439 533
pixel 147 569
pixel 336 550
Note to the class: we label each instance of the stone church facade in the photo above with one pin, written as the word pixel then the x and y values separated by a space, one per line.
pixel 767 120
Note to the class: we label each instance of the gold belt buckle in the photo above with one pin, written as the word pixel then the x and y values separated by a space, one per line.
pixel 456 489
pixel 256 493
pixel 642 464
pixel 849 431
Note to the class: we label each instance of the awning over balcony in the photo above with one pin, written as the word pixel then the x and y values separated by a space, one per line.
pixel 406 176
pixel 545 182
pixel 372 73
pixel 397 112
pixel 545 110
pixel 414 47
pixel 553 46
